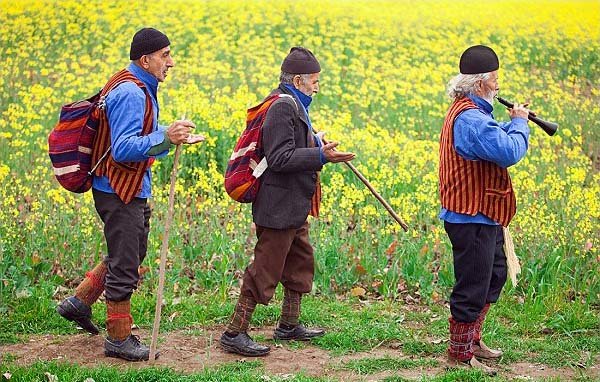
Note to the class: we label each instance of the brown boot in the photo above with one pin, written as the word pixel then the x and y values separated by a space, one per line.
pixel 472 363
pixel 481 350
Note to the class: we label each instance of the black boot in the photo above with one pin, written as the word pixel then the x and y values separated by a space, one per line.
pixel 244 345
pixel 73 309
pixel 130 349
pixel 298 332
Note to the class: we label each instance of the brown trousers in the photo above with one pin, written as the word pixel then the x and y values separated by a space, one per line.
pixel 280 255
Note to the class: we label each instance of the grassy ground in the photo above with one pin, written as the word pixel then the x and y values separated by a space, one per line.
pixel 418 332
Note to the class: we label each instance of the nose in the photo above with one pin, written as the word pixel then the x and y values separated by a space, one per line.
pixel 170 62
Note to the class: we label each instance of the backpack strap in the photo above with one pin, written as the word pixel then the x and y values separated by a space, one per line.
pixel 117 79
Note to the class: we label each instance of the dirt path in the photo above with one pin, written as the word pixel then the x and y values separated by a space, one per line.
pixel 192 353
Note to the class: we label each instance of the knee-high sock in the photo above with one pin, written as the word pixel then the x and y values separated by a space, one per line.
pixel 461 340
pixel 240 321
pixel 290 308
pixel 479 323
pixel 118 319
pixel 92 286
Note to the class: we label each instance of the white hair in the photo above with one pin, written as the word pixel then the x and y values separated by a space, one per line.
pixel 288 78
pixel 464 84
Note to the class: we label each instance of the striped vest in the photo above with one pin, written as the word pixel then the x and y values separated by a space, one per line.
pixel 125 178
pixel 472 186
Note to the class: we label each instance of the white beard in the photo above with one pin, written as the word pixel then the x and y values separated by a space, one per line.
pixel 489 97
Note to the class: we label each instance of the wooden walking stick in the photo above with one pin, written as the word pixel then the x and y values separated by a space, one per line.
pixel 163 257
pixel 375 193
pixel 379 197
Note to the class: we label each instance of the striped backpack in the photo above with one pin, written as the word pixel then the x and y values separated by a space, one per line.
pixel 71 141
pixel 247 162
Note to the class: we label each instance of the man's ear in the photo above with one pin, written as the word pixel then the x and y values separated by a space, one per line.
pixel 297 80
pixel 145 61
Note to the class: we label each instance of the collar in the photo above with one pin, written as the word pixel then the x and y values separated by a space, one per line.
pixel 481 103
pixel 148 79
pixel 304 99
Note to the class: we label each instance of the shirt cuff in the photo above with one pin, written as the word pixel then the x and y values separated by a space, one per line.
pixel 160 143
pixel 323 159
pixel 319 144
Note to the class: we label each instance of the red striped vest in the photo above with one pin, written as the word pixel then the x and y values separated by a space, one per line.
pixel 469 186
pixel 125 178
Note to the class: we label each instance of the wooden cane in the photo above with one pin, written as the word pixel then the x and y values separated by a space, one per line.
pixel 375 193
pixel 163 258
pixel 379 197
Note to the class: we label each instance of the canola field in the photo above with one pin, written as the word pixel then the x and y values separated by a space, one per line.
pixel 385 68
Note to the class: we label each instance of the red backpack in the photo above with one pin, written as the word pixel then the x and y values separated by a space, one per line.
pixel 71 141
pixel 247 162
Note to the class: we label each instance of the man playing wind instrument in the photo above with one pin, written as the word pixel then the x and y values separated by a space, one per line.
pixel 289 192
pixel 477 198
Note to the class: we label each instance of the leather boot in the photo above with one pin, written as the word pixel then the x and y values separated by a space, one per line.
pixel 78 308
pixel 73 309
pixel 481 350
pixel 298 332
pixel 472 363
pixel 130 349
pixel 242 344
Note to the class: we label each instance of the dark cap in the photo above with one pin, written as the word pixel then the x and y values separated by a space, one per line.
pixel 300 61
pixel 478 59
pixel 146 41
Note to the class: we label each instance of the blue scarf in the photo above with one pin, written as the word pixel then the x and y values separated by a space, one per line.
pixel 303 98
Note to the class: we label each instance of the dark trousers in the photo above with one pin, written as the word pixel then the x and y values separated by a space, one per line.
pixel 280 255
pixel 479 268
pixel 126 228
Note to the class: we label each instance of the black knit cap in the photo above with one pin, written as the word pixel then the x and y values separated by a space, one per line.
pixel 300 61
pixel 478 59
pixel 146 41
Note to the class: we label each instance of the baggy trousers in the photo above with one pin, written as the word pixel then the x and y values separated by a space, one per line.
pixel 280 255
pixel 479 268
pixel 126 228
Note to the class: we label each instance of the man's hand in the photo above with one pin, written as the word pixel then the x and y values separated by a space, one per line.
pixel 519 111
pixel 195 138
pixel 179 131
pixel 336 156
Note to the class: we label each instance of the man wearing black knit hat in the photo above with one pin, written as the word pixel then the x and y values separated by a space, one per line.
pixel 289 192
pixel 477 198
pixel 128 139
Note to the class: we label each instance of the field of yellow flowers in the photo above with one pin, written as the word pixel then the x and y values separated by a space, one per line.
pixel 385 67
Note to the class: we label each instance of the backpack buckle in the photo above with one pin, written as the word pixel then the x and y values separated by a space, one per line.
pixel 102 102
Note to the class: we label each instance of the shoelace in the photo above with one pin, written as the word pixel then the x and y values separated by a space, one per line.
pixel 135 339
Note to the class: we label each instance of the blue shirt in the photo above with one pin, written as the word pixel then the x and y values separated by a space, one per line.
pixel 125 106
pixel 305 102
pixel 477 136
